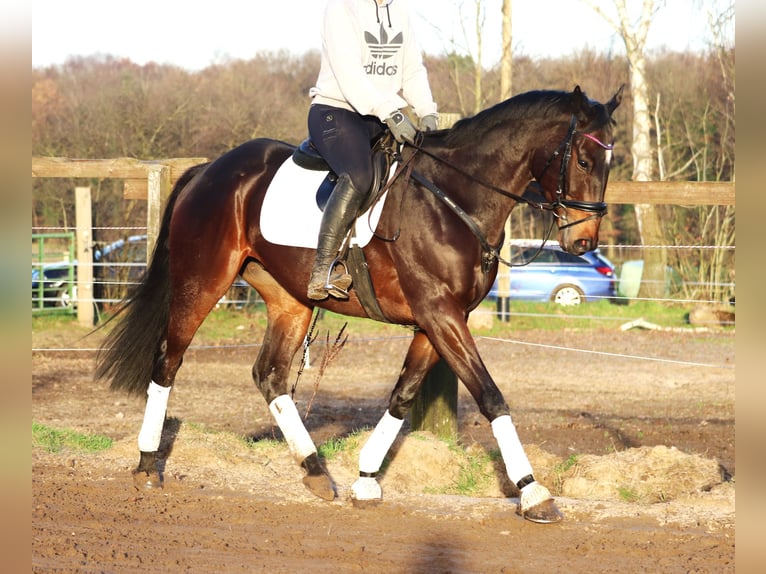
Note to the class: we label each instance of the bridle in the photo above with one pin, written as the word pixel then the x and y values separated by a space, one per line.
pixel 597 209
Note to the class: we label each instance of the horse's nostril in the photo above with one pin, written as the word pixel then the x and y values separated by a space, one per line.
pixel 582 245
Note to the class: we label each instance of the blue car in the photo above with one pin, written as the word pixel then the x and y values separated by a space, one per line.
pixel 56 287
pixel 548 273
pixel 115 264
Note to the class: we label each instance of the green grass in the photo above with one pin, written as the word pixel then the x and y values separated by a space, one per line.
pixel 56 440
pixel 528 315
pixel 627 494
pixel 561 468
pixel 336 445
pixel 475 474
pixel 231 326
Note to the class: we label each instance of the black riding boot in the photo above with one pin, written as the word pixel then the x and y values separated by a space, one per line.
pixel 339 214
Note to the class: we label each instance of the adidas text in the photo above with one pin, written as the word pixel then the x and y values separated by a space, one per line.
pixel 375 69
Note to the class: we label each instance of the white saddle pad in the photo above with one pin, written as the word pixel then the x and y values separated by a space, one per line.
pixel 290 215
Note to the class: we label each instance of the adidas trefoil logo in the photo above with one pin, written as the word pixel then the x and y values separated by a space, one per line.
pixel 381 49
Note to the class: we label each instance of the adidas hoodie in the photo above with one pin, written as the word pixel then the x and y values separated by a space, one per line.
pixel 371 62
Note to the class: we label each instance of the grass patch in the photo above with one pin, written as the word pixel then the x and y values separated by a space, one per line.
pixel 337 445
pixel 628 494
pixel 475 474
pixel 56 440
pixel 257 444
pixel 529 315
pixel 561 469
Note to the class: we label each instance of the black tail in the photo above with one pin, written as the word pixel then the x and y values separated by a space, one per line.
pixel 129 353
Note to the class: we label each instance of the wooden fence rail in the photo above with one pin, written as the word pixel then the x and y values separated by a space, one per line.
pixel 136 174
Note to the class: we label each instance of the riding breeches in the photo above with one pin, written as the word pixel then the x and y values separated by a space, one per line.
pixel 343 139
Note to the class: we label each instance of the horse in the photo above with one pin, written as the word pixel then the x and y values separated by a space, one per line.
pixel 432 259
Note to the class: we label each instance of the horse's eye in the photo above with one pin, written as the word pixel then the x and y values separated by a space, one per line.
pixel 583 164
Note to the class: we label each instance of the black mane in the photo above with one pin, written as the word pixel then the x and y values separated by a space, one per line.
pixel 537 103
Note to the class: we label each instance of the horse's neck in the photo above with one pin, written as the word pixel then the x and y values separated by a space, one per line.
pixel 467 176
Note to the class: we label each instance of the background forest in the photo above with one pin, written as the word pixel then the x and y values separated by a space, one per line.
pixel 103 107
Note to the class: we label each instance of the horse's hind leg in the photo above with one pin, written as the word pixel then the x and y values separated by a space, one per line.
pixel 186 315
pixel 288 322
pixel 421 357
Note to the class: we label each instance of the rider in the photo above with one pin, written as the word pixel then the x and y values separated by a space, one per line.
pixel 369 56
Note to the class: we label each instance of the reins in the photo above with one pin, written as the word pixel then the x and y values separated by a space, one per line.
pixel 490 252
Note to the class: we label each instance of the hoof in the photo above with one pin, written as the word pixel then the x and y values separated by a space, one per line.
pixel 366 492
pixel 545 512
pixel 317 480
pixel 143 480
pixel 537 505
pixel 371 503
pixel 320 485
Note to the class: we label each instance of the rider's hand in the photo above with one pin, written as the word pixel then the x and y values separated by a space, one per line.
pixel 429 123
pixel 401 127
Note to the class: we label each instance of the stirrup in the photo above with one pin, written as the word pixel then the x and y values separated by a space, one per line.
pixel 337 285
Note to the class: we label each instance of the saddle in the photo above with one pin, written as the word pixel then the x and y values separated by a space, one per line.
pixel 384 150
pixel 308 157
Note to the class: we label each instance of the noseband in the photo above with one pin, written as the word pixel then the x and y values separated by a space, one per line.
pixel 597 209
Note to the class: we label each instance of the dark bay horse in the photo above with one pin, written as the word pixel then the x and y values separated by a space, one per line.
pixel 433 259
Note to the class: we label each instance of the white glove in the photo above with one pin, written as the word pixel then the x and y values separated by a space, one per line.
pixel 401 127
pixel 429 123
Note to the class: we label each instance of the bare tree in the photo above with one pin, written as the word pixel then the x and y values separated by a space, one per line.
pixel 478 71
pixel 634 34
pixel 506 59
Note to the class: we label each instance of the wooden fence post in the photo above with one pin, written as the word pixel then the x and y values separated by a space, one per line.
pixel 158 188
pixel 435 408
pixel 503 301
pixel 84 242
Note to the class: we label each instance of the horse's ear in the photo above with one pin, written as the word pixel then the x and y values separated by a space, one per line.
pixel 577 98
pixel 580 105
pixel 612 104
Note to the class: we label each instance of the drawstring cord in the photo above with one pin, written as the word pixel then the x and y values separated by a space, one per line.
pixel 377 13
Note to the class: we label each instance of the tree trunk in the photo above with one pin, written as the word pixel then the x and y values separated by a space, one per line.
pixel 648 218
pixel 649 222
pixel 506 60
pixel 478 101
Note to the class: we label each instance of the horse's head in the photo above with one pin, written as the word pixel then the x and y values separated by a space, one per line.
pixel 575 175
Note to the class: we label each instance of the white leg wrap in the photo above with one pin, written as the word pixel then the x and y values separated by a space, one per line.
pixel 154 417
pixel 377 446
pixel 286 415
pixel 516 462
pixel 371 458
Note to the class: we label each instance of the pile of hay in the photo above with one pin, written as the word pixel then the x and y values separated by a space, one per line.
pixel 421 463
pixel 644 475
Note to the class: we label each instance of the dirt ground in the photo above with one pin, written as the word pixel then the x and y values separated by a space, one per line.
pixel 230 507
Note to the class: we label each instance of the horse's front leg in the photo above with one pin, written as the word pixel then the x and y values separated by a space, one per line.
pixel 453 341
pixel 421 357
